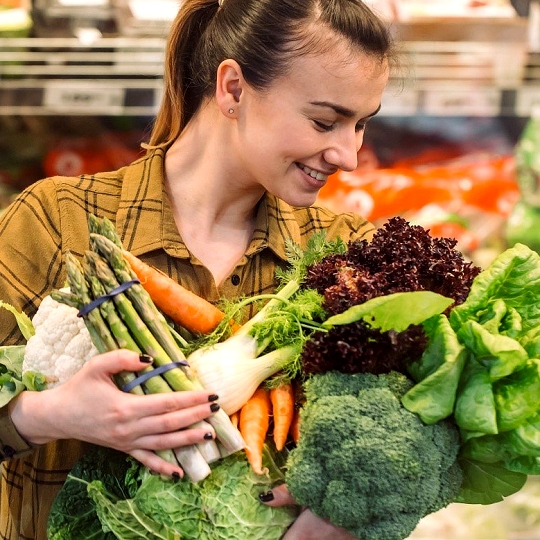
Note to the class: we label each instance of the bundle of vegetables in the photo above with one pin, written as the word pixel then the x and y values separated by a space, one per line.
pixel 119 313
pixel 391 300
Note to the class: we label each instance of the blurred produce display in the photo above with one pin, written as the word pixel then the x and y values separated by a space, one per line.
pixel 524 221
pixel 457 187
pixel 15 19
pixel 32 148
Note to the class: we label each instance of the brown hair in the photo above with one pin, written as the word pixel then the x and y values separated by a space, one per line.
pixel 261 35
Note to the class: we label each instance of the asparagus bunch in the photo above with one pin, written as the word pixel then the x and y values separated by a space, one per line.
pixel 131 320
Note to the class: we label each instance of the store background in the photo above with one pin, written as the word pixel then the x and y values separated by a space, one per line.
pixel 80 82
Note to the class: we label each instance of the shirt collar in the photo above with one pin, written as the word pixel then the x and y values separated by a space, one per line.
pixel 146 223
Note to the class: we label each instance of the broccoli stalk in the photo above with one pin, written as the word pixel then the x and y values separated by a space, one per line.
pixel 366 463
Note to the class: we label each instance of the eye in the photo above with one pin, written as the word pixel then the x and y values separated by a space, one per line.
pixel 322 126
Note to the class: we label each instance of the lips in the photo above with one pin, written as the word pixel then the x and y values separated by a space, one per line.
pixel 317 175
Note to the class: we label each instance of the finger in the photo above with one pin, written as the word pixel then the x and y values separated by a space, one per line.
pixel 157 464
pixel 113 362
pixel 278 496
pixel 163 413
pixel 175 439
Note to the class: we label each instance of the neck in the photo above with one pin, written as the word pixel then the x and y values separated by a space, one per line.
pixel 213 203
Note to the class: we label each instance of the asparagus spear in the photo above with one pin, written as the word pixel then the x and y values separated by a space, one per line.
pixel 187 457
pixel 97 327
pixel 227 434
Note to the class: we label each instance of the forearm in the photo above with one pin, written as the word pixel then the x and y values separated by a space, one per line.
pixel 31 418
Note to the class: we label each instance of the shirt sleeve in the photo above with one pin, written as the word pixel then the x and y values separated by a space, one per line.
pixel 12 445
pixel 30 255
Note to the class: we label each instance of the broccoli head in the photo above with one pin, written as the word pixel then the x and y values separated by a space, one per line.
pixel 366 463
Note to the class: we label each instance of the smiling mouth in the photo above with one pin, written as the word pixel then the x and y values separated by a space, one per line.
pixel 322 177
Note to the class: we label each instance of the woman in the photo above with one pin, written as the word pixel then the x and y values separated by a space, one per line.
pixel 264 99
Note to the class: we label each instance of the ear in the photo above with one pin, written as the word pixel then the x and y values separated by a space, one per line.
pixel 229 86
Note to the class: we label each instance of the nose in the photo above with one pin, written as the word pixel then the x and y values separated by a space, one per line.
pixel 344 148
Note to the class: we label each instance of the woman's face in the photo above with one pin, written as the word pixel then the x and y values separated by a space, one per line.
pixel 309 123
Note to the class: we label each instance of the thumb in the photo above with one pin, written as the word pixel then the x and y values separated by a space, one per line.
pixel 278 496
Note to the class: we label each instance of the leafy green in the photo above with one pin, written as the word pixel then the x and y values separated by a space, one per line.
pixel 482 367
pixel 395 311
pixel 23 321
pixel 12 380
pixel 106 497
pixel 73 515
pixel 485 483
pixel 438 372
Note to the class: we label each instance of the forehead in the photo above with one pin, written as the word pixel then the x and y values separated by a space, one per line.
pixel 339 74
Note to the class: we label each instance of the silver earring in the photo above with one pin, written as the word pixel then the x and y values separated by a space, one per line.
pixel 231 111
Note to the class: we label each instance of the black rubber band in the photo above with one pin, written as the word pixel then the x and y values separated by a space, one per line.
pixel 85 310
pixel 128 387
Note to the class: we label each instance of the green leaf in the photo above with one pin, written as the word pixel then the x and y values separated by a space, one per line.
pixel 514 276
pixel 439 371
pixel 517 397
pixel 124 519
pixel 224 505
pixel 11 384
pixel 23 321
pixel 73 514
pixel 395 311
pixel 475 404
pixel 485 483
pixel 501 355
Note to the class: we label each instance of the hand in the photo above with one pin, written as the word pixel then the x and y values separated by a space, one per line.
pixel 307 526
pixel 91 408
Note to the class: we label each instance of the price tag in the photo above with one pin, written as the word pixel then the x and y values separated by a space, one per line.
pixel 527 99
pixel 77 97
pixel 462 102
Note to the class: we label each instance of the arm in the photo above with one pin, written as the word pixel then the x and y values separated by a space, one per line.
pixel 134 424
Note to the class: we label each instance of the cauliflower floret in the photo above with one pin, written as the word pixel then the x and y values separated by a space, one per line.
pixel 61 344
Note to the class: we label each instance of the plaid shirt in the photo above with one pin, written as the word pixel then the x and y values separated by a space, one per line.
pixel 49 219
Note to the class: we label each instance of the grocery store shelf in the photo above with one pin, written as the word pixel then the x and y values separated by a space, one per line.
pixel 110 76
pixel 123 76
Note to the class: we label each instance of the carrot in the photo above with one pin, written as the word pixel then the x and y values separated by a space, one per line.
pixel 180 304
pixel 253 425
pixel 294 429
pixel 282 398
pixel 235 417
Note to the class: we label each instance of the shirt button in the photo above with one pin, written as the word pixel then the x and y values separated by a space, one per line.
pixel 235 279
pixel 8 451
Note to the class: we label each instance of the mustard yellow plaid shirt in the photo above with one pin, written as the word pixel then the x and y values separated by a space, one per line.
pixel 49 219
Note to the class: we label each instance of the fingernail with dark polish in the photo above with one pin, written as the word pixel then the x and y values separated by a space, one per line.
pixel 176 475
pixel 214 407
pixel 267 496
pixel 208 436
pixel 145 358
pixel 213 397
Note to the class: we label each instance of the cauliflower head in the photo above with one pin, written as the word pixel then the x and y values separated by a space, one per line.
pixel 61 344
pixel 366 463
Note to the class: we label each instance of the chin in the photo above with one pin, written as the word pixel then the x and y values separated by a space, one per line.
pixel 300 202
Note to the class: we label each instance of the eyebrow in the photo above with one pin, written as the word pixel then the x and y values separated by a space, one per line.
pixel 342 111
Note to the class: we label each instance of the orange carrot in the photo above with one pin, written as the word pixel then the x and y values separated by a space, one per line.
pixel 235 417
pixel 282 398
pixel 294 429
pixel 180 304
pixel 254 422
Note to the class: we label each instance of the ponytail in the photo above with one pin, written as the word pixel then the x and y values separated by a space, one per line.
pixel 178 106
